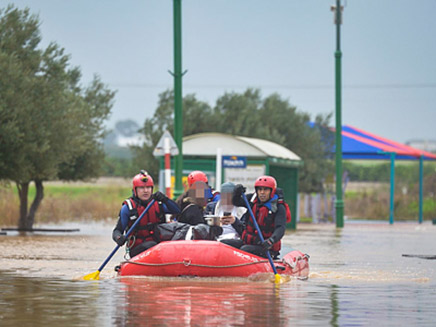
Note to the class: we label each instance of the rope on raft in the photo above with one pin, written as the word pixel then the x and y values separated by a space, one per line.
pixel 193 264
pixel 292 265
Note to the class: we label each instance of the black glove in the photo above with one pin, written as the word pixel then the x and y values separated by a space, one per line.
pixel 121 240
pixel 268 243
pixel 159 196
pixel 239 189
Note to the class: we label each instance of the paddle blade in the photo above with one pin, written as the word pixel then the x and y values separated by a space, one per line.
pixel 278 279
pixel 92 276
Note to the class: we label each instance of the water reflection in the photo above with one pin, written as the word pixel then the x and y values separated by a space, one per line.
pixel 335 307
pixel 42 302
pixel 200 303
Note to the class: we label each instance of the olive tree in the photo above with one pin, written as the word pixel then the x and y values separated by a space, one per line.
pixel 50 126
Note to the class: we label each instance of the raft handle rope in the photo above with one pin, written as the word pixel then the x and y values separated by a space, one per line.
pixel 189 263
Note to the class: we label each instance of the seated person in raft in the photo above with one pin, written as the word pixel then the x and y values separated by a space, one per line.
pixel 271 215
pixel 192 204
pixel 144 236
pixel 229 215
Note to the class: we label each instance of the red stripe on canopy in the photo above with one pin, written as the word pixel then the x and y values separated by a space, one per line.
pixel 381 146
pixel 412 151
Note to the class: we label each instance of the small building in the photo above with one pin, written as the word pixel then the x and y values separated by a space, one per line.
pixel 243 160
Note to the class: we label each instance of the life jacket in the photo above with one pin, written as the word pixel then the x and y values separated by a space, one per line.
pixel 288 210
pixel 281 200
pixel 145 230
pixel 265 219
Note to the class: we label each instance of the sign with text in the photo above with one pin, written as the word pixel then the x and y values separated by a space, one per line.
pixel 246 176
pixel 234 162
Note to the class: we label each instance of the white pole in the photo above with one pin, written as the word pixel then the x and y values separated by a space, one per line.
pixel 219 161
pixel 167 148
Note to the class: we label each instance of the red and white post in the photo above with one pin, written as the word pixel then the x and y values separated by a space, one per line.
pixel 167 148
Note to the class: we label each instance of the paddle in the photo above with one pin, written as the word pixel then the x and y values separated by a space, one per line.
pixel 96 275
pixel 276 274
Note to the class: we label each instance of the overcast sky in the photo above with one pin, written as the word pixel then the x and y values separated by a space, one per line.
pixel 282 46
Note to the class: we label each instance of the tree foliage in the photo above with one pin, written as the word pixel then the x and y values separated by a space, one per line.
pixel 245 114
pixel 406 172
pixel 50 126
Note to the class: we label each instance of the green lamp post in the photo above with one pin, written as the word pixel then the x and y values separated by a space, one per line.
pixel 339 203
pixel 178 109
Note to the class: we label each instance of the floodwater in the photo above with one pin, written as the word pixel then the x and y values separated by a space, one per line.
pixel 358 278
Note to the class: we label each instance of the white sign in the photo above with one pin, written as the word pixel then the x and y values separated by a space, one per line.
pixel 159 150
pixel 245 176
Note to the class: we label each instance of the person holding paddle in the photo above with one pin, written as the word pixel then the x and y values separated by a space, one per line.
pixel 271 214
pixel 144 235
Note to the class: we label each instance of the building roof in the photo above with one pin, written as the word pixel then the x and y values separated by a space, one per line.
pixel 206 144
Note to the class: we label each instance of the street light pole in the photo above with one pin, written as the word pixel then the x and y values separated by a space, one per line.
pixel 178 109
pixel 339 203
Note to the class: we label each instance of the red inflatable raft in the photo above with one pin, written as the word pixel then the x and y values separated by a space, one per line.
pixel 209 259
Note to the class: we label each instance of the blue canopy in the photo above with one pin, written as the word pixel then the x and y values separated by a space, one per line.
pixel 360 144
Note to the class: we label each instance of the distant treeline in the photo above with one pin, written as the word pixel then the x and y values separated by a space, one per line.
pixel 405 172
pixel 118 167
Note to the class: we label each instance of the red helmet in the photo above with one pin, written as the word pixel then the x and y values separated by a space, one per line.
pixel 142 179
pixel 267 181
pixel 196 176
